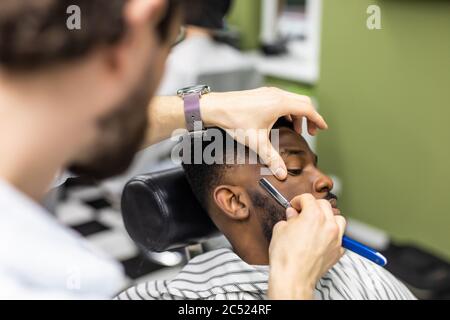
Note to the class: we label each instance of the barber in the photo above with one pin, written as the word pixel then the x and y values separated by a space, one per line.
pixel 78 99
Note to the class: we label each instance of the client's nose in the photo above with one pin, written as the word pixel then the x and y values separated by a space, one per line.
pixel 322 183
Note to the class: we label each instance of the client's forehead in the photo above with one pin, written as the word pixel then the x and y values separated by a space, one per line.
pixel 291 140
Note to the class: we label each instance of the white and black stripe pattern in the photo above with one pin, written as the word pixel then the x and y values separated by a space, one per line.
pixel 222 275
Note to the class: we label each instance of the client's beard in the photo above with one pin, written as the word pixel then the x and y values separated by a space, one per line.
pixel 271 212
pixel 122 134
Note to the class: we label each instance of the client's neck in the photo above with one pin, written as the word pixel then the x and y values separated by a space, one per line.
pixel 253 250
pixel 246 237
pixel 253 256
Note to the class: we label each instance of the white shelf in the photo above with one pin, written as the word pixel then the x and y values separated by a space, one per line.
pixel 301 64
pixel 289 67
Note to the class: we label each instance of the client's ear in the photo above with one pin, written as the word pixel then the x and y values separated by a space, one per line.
pixel 233 201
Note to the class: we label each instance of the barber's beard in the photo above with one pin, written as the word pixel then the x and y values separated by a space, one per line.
pixel 122 134
pixel 271 212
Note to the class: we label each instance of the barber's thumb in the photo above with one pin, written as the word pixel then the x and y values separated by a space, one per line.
pixel 291 213
pixel 273 160
pixel 342 224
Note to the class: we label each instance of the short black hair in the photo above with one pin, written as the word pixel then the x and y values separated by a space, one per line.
pixel 34 34
pixel 207 14
pixel 203 177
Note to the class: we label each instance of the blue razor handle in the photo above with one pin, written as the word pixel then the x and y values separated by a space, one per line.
pixel 364 251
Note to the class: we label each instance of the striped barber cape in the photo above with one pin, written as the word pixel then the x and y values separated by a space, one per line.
pixel 222 275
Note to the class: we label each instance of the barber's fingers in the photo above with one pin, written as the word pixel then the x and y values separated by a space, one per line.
pixel 291 213
pixel 259 142
pixel 342 223
pixel 329 215
pixel 306 204
pixel 327 210
pixel 301 106
pixel 271 158
pixel 312 128
pixel 297 123
pixel 310 113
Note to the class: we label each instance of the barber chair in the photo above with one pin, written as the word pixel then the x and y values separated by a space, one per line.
pixel 161 213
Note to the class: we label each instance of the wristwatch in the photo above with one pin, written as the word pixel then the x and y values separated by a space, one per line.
pixel 191 97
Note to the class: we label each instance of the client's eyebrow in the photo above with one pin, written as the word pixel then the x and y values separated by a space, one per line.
pixel 290 152
pixel 299 152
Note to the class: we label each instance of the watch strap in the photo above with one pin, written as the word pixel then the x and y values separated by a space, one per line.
pixel 192 111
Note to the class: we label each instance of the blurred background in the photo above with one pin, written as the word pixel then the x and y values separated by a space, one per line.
pixel 385 94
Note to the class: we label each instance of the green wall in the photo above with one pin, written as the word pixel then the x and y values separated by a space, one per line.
pixel 245 15
pixel 386 96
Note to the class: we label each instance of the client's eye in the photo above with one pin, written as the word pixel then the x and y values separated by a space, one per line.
pixel 295 172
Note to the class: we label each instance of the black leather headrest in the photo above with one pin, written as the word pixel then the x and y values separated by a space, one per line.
pixel 160 212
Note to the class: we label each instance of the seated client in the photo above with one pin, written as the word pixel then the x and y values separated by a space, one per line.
pixel 246 215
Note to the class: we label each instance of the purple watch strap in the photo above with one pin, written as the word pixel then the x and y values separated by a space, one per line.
pixel 192 110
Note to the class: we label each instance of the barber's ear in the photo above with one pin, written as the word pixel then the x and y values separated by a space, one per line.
pixel 233 201
pixel 139 12
pixel 138 15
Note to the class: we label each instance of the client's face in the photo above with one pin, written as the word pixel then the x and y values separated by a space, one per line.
pixel 303 177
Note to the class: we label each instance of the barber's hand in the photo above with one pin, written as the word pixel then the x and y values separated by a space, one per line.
pixel 260 109
pixel 304 248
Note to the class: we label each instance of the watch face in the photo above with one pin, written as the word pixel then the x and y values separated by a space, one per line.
pixel 202 89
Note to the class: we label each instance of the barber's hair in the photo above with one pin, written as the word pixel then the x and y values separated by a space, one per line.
pixel 203 177
pixel 34 33
pixel 207 14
